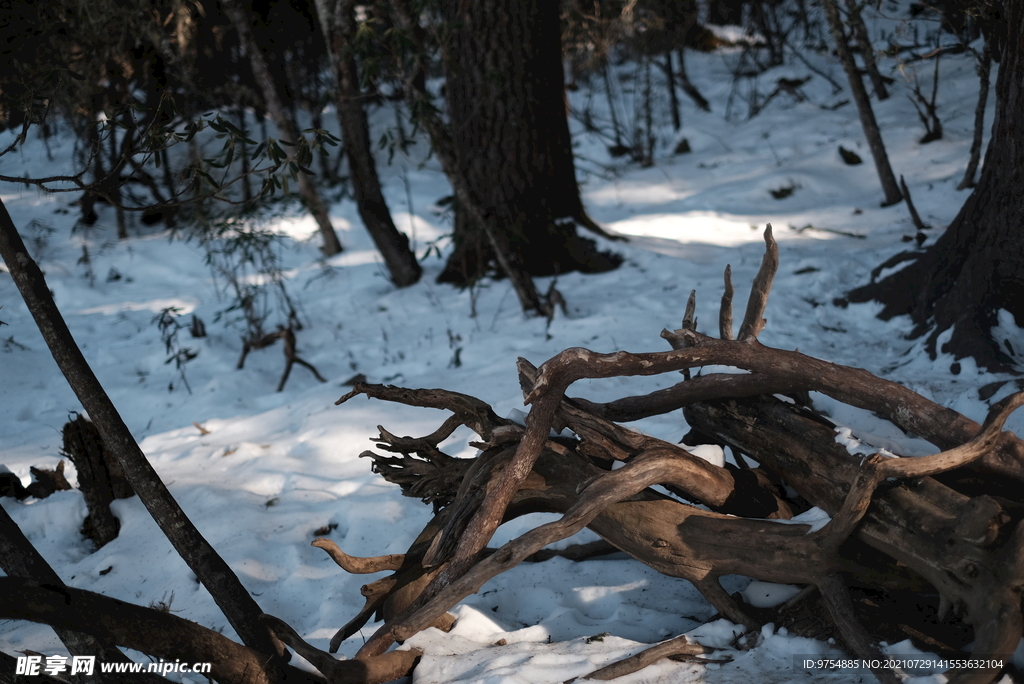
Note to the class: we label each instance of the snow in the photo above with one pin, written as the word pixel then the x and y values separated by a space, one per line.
pixel 268 470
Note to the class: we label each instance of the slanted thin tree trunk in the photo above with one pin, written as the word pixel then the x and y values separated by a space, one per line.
pixel 234 600
pixel 687 85
pixel 244 157
pixel 337 21
pixel 984 70
pixel 867 116
pixel 114 186
pixel 673 99
pixel 285 124
pixel 860 33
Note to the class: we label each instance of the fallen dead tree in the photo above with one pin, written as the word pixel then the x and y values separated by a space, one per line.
pixel 922 525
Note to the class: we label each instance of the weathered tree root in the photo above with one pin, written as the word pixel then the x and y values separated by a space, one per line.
pixel 377 670
pixel 970 550
pixel 679 648
pixel 389 595
pixel 355 565
pixel 892 522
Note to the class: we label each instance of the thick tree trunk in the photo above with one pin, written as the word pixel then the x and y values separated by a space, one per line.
pixel 725 12
pixel 444 147
pixel 338 24
pixel 285 125
pixel 976 267
pixel 510 134
pixel 867 115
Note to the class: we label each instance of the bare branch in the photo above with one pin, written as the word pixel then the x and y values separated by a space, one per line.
pixel 355 564
pixel 690 317
pixel 473 413
pixel 215 574
pixel 906 409
pixel 799 557
pixel 701 388
pixel 986 440
pixel 725 312
pixel 840 609
pixel 376 594
pixel 914 216
pixel 383 668
pixel 753 319
pixel 676 648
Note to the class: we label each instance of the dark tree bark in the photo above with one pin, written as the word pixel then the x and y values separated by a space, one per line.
pixel 726 12
pixel 99 477
pixel 283 121
pixel 216 575
pixel 976 267
pixel 984 69
pixel 337 21
pixel 151 631
pixel 860 32
pixel 510 135
pixel 673 99
pixel 18 558
pixel 860 96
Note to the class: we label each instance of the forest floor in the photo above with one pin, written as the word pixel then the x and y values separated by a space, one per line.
pixel 262 473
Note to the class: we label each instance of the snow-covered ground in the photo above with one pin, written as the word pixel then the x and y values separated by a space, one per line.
pixel 268 469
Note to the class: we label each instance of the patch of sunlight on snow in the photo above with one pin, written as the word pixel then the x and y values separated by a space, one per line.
pixel 347 258
pixel 697 238
pixel 155 305
pixel 302 228
pixel 704 228
pixel 424 230
pixel 636 193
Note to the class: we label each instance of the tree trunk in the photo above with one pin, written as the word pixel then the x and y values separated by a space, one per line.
pixel 867 115
pixel 18 558
pixel 338 24
pixel 233 599
pixel 285 125
pixel 673 99
pixel 977 267
pixel 726 12
pixel 510 135
pixel 860 32
pixel 984 70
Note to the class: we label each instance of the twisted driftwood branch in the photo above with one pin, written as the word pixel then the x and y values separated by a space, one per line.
pixel 679 648
pixel 383 668
pixel 753 319
pixel 976 561
pixel 357 565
